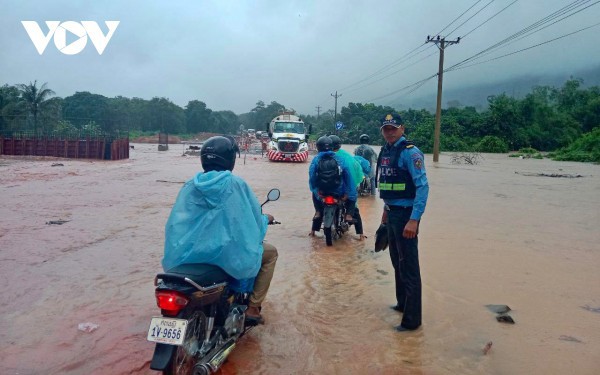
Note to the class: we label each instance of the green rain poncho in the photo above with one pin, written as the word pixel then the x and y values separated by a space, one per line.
pixel 356 169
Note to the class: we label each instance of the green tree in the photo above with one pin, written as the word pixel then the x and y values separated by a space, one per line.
pixel 165 116
pixel 83 107
pixel 491 144
pixel 503 119
pixel 261 115
pixel 51 115
pixel 11 113
pixel 585 149
pixel 225 122
pixel 198 117
pixel 34 99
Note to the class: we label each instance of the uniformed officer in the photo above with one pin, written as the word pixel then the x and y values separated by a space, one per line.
pixel 404 189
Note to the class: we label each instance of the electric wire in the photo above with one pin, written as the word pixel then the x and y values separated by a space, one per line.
pixel 404 88
pixel 489 19
pixel 395 72
pixel 468 19
pixel 525 49
pixel 408 55
pixel 396 62
pixel 531 29
pixel 463 13
pixel 546 19
pixel 526 31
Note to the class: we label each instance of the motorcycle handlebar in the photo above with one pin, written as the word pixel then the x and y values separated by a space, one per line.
pixel 274 222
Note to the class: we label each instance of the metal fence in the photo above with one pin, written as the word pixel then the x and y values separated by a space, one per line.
pixel 75 145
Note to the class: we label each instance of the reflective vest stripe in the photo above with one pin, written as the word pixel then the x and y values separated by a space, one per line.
pixel 393 187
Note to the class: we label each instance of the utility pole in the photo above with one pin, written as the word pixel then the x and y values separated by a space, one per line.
pixel 318 111
pixel 441 43
pixel 336 96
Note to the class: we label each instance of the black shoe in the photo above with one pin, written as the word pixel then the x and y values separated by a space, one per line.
pixel 254 320
pixel 397 308
pixel 400 328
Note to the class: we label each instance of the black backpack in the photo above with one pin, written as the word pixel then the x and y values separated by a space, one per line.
pixel 365 152
pixel 329 174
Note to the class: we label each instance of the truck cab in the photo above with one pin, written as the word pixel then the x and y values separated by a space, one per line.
pixel 289 137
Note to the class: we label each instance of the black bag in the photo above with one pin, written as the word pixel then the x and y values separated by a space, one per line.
pixel 365 152
pixel 360 151
pixel 329 174
pixel 381 238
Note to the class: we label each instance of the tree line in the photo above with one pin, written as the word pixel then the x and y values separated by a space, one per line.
pixel 546 119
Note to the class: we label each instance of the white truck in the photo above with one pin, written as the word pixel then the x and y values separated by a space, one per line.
pixel 289 138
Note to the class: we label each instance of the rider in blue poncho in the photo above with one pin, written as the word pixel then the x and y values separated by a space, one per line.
pixel 217 220
pixel 345 190
pixel 357 173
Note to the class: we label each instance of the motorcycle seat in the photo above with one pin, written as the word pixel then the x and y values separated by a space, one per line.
pixel 202 274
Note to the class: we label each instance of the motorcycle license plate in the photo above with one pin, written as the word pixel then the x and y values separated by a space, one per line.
pixel 167 330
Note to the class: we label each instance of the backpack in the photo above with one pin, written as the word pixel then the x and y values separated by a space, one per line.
pixel 365 152
pixel 329 174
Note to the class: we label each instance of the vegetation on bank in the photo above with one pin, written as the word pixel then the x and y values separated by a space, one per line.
pixel 563 121
pixel 585 149
pixel 526 153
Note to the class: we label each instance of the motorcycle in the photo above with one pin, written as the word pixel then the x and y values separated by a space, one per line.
pixel 364 189
pixel 203 317
pixel 334 222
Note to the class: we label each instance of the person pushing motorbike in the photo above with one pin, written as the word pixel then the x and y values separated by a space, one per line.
pixel 330 174
pixel 216 219
pixel 357 176
pixel 368 153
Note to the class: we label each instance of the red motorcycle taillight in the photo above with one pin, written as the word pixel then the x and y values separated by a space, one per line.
pixel 329 200
pixel 171 301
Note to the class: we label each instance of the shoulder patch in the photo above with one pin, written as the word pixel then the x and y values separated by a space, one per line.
pixel 417 160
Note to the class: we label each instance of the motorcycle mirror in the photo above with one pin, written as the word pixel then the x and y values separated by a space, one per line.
pixel 273 195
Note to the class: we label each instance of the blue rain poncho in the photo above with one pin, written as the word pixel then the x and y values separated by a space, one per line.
pixel 347 185
pixel 216 220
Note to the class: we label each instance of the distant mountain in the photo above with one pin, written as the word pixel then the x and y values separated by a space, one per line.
pixel 518 87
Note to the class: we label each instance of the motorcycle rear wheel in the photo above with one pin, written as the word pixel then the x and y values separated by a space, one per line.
pixel 184 358
pixel 328 236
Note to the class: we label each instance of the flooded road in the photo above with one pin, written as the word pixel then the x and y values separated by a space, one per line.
pixel 493 233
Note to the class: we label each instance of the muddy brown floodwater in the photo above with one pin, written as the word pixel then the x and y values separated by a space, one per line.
pixel 493 233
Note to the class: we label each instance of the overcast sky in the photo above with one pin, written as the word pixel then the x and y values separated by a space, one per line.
pixel 230 54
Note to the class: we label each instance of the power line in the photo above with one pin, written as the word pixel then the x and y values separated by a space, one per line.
pixel 395 72
pixel 468 19
pixel 557 16
pixel 396 62
pixel 518 35
pixel 463 13
pixel 404 58
pixel 404 88
pixel 525 49
pixel 486 21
